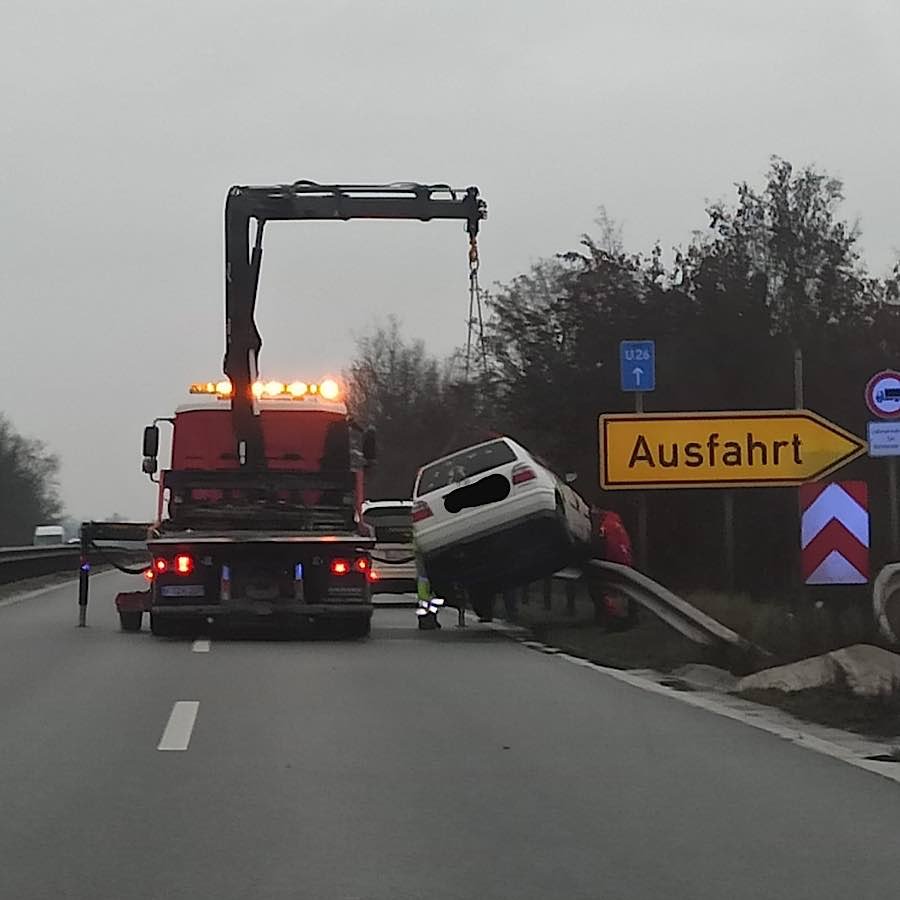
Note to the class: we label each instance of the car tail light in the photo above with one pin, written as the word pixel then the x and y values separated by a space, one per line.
pixel 340 567
pixel 420 511
pixel 184 564
pixel 160 565
pixel 373 575
pixel 522 473
pixel 148 574
pixel 361 564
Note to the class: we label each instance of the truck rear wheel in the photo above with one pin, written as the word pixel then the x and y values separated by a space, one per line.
pixel 359 628
pixel 162 626
pixel 131 619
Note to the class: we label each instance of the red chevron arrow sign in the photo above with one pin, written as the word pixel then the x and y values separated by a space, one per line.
pixel 834 526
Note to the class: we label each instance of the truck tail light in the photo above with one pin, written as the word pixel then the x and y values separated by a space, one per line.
pixel 522 473
pixel 184 564
pixel 340 567
pixel 421 511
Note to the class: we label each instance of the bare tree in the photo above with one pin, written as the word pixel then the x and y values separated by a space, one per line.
pixel 28 485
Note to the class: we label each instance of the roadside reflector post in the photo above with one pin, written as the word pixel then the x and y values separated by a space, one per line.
pixel 84 575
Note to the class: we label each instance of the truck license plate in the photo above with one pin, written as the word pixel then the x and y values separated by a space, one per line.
pixel 182 590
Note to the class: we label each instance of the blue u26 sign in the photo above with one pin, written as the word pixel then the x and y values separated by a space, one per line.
pixel 637 365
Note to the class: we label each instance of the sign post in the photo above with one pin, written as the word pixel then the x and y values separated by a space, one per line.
pixel 883 400
pixel 637 374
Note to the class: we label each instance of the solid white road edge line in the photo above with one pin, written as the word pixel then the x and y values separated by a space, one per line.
pixel 710 703
pixel 201 645
pixel 177 733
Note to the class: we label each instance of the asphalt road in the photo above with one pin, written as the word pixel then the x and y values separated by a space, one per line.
pixel 448 765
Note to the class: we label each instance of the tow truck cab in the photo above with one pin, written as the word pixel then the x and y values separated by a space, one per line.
pixel 281 540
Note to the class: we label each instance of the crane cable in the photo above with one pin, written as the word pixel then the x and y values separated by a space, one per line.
pixel 476 317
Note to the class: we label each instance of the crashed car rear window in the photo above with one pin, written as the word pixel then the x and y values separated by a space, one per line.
pixel 463 465
pixel 393 525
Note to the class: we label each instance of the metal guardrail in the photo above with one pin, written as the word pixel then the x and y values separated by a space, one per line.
pixel 693 623
pixel 886 587
pixel 17 563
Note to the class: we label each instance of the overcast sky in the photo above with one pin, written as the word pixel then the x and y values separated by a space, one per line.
pixel 125 121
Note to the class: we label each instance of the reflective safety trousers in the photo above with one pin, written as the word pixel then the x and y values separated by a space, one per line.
pixel 428 603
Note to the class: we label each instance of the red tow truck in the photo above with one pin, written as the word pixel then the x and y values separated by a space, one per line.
pixel 280 543
pixel 258 516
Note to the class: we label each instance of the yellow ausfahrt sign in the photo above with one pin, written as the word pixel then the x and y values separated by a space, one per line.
pixel 776 448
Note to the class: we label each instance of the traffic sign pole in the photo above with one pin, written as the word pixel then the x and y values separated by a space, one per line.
pixel 883 399
pixel 728 515
pixel 642 537
pixel 894 511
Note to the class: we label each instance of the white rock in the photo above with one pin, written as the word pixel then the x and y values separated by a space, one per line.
pixel 869 671
pixel 706 678
pixel 799 676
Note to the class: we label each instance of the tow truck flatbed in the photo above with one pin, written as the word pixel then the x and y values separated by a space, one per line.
pixel 259 537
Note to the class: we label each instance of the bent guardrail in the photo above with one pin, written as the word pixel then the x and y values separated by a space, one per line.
pixel 672 609
pixel 886 587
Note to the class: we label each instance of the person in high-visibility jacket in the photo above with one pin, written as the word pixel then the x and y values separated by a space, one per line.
pixel 429 606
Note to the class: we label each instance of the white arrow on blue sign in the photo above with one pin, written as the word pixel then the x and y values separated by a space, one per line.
pixel 637 365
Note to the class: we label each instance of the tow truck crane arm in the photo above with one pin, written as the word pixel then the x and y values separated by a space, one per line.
pixel 305 200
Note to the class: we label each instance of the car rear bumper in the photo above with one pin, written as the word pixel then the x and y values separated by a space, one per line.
pixel 531 548
pixel 390 585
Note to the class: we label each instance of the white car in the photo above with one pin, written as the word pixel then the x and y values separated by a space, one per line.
pixel 491 517
pixel 393 557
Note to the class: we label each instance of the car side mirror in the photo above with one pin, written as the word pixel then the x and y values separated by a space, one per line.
pixel 370 446
pixel 571 477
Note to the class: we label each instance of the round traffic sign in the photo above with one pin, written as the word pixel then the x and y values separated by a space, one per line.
pixel 883 394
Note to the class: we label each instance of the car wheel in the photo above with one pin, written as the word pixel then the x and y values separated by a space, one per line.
pixel 482 600
pixel 131 619
pixel 359 628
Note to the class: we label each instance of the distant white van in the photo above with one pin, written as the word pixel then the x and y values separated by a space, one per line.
pixel 48 534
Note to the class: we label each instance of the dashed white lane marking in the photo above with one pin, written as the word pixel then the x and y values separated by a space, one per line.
pixel 177 734
pixel 201 646
pixel 751 714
